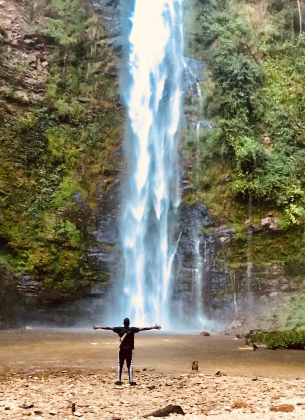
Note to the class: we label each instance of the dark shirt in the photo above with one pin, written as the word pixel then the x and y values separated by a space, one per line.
pixel 128 342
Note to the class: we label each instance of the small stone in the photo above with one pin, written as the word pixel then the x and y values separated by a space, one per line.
pixel 53 413
pixel 151 386
pixel 27 413
pixel 284 408
pixel 205 334
pixel 26 406
pixel 7 407
pixel 239 404
pixel 77 414
pixel 219 373
pixel 64 371
pixel 38 412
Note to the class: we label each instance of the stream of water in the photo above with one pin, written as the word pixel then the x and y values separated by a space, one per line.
pixel 153 94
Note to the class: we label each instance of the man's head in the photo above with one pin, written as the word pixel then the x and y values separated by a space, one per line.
pixel 126 322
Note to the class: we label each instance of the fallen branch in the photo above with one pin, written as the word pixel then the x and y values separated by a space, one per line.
pixel 166 411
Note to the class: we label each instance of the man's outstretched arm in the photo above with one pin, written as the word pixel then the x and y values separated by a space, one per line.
pixel 156 327
pixel 98 327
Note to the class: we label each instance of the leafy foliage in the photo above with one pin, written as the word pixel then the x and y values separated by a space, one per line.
pixel 253 163
pixel 280 339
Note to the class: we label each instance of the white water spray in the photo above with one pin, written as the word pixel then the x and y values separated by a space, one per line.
pixel 198 286
pixel 153 96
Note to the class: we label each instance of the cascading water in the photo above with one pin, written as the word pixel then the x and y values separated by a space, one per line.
pixel 198 286
pixel 153 96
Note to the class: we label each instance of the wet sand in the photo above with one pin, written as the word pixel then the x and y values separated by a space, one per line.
pixel 49 351
pixel 52 369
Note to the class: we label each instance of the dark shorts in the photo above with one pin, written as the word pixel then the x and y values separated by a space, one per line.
pixel 125 355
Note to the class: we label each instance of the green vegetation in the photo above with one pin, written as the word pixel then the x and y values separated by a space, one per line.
pixel 280 339
pixel 290 315
pixel 59 141
pixel 253 163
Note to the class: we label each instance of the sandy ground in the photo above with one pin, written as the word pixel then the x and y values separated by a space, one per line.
pixel 53 370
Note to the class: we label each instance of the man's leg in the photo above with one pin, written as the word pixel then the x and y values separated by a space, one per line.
pixel 129 367
pixel 121 358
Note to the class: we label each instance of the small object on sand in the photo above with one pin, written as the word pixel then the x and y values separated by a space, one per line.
pixel 38 412
pixel 151 386
pixel 284 408
pixel 195 365
pixel 95 344
pixel 166 411
pixel 73 407
pixel 28 328
pixel 64 371
pixel 239 404
pixel 246 348
pixel 7 407
pixel 77 414
pixel 205 334
pixel 53 413
pixel 144 369
pixel 219 373
pixel 26 406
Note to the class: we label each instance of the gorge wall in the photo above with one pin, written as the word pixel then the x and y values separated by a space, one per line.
pixel 242 193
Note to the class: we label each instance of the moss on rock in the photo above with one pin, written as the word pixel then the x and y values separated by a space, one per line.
pixel 58 144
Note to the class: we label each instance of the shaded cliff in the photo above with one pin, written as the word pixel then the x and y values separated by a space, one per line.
pixel 61 126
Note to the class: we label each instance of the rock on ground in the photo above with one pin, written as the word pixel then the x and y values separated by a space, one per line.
pixel 199 395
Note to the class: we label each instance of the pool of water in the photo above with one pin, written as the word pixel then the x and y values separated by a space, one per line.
pixel 43 351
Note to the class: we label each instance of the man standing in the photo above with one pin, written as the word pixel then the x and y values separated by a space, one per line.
pixel 126 335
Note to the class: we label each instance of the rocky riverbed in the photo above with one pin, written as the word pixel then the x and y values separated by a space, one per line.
pixel 94 396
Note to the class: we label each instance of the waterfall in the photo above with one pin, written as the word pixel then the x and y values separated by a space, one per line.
pixel 192 79
pixel 153 93
pixel 199 317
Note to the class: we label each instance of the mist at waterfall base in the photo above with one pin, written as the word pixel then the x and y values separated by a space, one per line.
pixel 152 89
